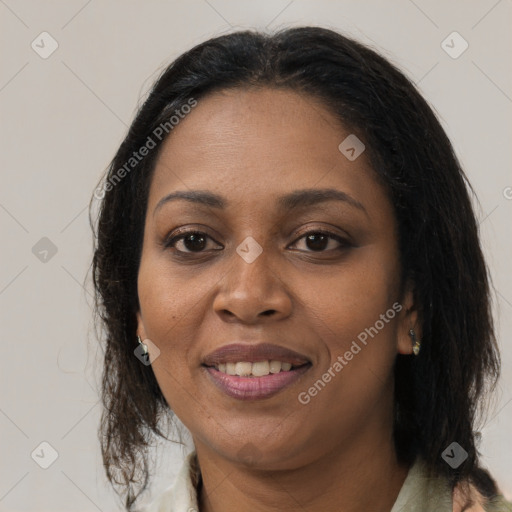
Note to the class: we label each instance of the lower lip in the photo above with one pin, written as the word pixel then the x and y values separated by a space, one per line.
pixel 255 388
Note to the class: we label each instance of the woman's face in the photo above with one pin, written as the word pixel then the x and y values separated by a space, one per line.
pixel 260 271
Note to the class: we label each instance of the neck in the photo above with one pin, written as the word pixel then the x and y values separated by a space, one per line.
pixel 360 477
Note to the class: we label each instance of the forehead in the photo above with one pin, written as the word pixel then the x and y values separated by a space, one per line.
pixel 257 144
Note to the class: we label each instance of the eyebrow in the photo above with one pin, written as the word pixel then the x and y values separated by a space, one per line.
pixel 292 201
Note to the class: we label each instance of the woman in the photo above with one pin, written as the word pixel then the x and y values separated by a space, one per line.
pixel 288 261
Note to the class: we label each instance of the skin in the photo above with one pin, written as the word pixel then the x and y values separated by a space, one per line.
pixel 252 146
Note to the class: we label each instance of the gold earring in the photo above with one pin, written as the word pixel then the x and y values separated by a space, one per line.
pixel 417 343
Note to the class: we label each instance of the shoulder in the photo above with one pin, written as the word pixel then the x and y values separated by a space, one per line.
pixel 424 490
pixel 469 499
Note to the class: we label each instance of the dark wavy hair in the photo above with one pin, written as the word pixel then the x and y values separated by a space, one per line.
pixel 439 395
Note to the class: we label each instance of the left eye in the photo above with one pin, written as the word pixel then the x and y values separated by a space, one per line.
pixel 318 241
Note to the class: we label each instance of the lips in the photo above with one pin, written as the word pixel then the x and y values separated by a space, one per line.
pixel 283 367
pixel 237 352
pixel 255 388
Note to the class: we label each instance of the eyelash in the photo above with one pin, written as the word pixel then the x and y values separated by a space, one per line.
pixel 170 242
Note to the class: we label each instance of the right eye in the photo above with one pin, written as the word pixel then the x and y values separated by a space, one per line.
pixel 192 241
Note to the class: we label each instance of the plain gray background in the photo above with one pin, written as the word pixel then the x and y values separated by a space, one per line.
pixel 63 117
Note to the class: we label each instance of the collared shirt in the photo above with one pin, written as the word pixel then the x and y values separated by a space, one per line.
pixel 419 493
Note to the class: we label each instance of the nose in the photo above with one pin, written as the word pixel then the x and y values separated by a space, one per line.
pixel 251 292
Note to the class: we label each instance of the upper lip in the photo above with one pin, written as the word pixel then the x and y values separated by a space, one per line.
pixel 237 352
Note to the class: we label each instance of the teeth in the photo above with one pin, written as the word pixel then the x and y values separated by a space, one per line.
pixel 243 369
pixel 261 368
pixel 275 366
pixel 258 369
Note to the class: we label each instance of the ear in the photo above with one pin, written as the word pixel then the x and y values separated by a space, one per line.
pixel 408 319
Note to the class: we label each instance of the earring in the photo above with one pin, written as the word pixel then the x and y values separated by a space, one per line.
pixel 144 346
pixel 417 343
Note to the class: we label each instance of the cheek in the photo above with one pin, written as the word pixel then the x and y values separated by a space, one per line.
pixel 352 311
pixel 170 299
pixel 171 307
pixel 351 298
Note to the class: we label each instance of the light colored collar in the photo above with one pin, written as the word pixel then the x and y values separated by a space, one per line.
pixel 423 493
pixel 181 496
